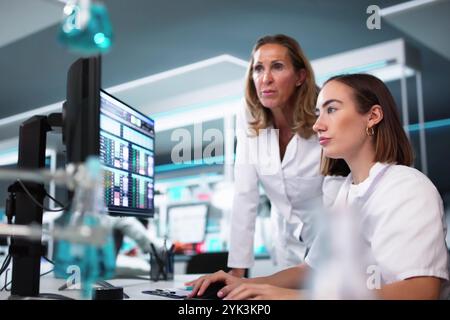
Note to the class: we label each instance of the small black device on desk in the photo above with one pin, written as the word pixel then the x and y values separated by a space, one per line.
pixel 108 293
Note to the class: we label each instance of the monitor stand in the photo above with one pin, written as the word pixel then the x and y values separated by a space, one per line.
pixel 26 254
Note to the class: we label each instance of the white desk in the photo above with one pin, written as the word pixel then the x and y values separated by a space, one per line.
pixel 132 287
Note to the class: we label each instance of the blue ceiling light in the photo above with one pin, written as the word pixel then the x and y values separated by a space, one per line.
pixel 430 125
pixel 86 28
pixel 190 164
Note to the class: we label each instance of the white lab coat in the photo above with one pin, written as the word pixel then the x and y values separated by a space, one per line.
pixel 293 186
pixel 402 223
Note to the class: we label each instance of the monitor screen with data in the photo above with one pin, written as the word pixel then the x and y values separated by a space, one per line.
pixel 127 140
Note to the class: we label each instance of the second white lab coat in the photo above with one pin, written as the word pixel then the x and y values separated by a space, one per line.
pixel 401 222
pixel 293 186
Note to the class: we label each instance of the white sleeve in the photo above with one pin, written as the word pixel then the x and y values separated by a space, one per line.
pixel 330 189
pixel 409 234
pixel 315 255
pixel 245 201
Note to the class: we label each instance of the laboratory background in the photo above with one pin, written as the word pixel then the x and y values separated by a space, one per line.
pixel 183 64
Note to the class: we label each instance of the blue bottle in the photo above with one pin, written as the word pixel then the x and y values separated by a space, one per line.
pixel 86 28
pixel 85 262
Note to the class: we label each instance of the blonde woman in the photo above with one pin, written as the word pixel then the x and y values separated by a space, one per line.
pixel 277 148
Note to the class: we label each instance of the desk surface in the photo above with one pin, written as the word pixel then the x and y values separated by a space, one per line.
pixel 133 287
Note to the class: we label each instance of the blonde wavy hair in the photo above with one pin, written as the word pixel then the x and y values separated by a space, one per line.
pixel 304 115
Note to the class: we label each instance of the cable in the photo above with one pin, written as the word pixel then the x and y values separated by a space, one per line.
pixel 58 202
pixel 6 263
pixel 5 287
pixel 6 284
pixel 10 204
pixel 48 260
pixel 5 268
pixel 37 202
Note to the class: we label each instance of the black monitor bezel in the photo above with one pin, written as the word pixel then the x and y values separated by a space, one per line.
pixel 131 211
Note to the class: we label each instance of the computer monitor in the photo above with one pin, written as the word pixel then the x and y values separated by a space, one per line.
pixel 96 123
pixel 187 223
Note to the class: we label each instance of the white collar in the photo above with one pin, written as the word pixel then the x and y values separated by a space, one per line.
pixel 363 189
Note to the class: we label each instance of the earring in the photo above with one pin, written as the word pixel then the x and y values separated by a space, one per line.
pixel 370 131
